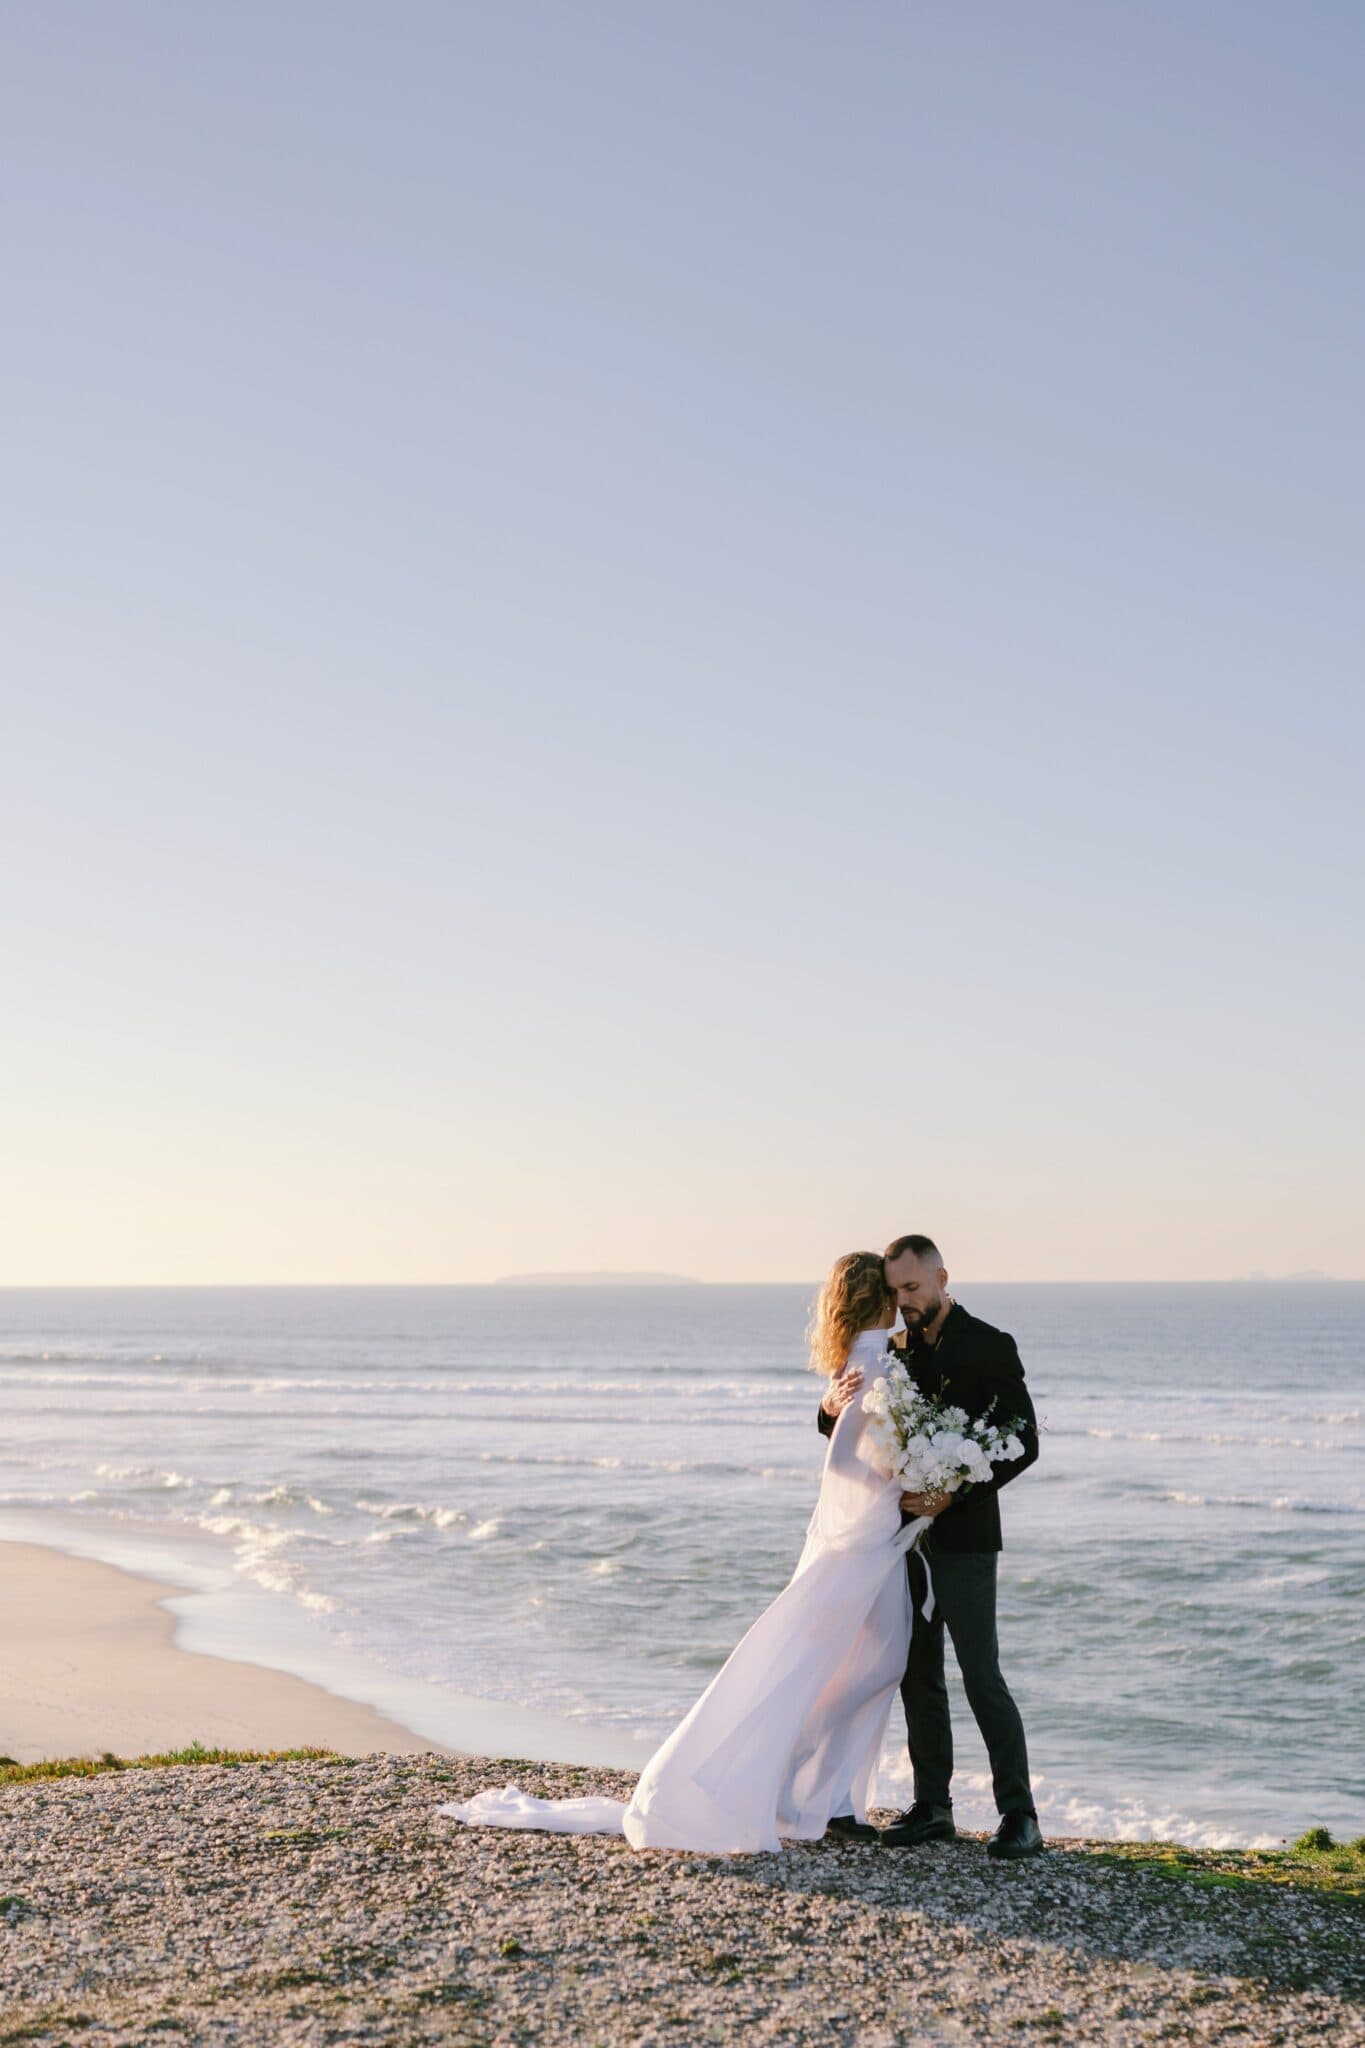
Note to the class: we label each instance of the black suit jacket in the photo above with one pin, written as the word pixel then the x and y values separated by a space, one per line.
pixel 973 1365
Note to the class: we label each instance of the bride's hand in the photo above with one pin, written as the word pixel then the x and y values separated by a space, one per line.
pixel 841 1389
pixel 925 1503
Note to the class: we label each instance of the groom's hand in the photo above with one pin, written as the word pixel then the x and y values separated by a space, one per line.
pixel 841 1389
pixel 925 1503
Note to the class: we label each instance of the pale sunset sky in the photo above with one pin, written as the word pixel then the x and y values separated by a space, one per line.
pixel 681 636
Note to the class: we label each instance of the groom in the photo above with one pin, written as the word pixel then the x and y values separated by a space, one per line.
pixel 953 1356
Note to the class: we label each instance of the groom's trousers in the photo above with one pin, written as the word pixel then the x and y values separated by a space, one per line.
pixel 964 1604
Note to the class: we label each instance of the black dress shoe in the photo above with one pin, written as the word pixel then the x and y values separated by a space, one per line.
pixel 920 1823
pixel 1017 1835
pixel 845 1828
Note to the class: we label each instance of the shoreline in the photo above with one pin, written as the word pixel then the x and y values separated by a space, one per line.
pixel 160 1647
pixel 92 1665
pixel 138 1659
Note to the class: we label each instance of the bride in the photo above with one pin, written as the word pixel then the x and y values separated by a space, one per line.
pixel 786 1736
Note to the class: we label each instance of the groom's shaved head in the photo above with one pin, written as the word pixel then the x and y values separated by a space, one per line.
pixel 923 1248
pixel 915 1274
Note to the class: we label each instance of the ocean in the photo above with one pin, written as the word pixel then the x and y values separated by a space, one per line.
pixel 572 1502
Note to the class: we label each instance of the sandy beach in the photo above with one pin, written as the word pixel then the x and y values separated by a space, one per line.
pixel 90 1665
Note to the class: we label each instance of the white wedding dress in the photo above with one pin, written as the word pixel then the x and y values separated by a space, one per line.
pixel 788 1732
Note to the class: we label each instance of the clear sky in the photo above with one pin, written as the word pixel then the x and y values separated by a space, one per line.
pixel 681 636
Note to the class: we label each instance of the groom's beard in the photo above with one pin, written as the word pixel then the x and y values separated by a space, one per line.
pixel 918 1318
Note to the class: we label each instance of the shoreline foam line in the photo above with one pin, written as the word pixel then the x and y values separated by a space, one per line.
pixel 141 1651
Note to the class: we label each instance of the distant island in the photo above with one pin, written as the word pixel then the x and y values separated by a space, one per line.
pixel 597 1280
pixel 1310 1273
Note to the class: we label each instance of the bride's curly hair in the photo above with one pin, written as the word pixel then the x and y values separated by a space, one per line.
pixel 855 1297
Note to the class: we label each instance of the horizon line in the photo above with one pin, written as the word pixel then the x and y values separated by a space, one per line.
pixel 625 1283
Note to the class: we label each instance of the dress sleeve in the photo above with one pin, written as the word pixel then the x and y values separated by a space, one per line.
pixel 854 1492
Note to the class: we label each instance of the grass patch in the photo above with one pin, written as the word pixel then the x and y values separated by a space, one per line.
pixel 90 1767
pixel 451 1993
pixel 44 2023
pixel 303 1838
pixel 298 1978
pixel 334 1968
pixel 1314 1863
pixel 721 1967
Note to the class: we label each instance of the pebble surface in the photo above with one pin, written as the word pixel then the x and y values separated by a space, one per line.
pixel 319 1902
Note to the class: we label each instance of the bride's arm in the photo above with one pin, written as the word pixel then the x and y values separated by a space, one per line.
pixel 855 1481
pixel 842 1389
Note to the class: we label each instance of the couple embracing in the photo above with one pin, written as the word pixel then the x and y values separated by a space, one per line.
pixel 924 1429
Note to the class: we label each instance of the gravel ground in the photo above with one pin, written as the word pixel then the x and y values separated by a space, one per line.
pixel 324 1902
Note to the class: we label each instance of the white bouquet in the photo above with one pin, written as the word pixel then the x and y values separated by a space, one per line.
pixel 931 1447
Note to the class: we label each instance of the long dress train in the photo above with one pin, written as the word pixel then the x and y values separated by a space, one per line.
pixel 788 1732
